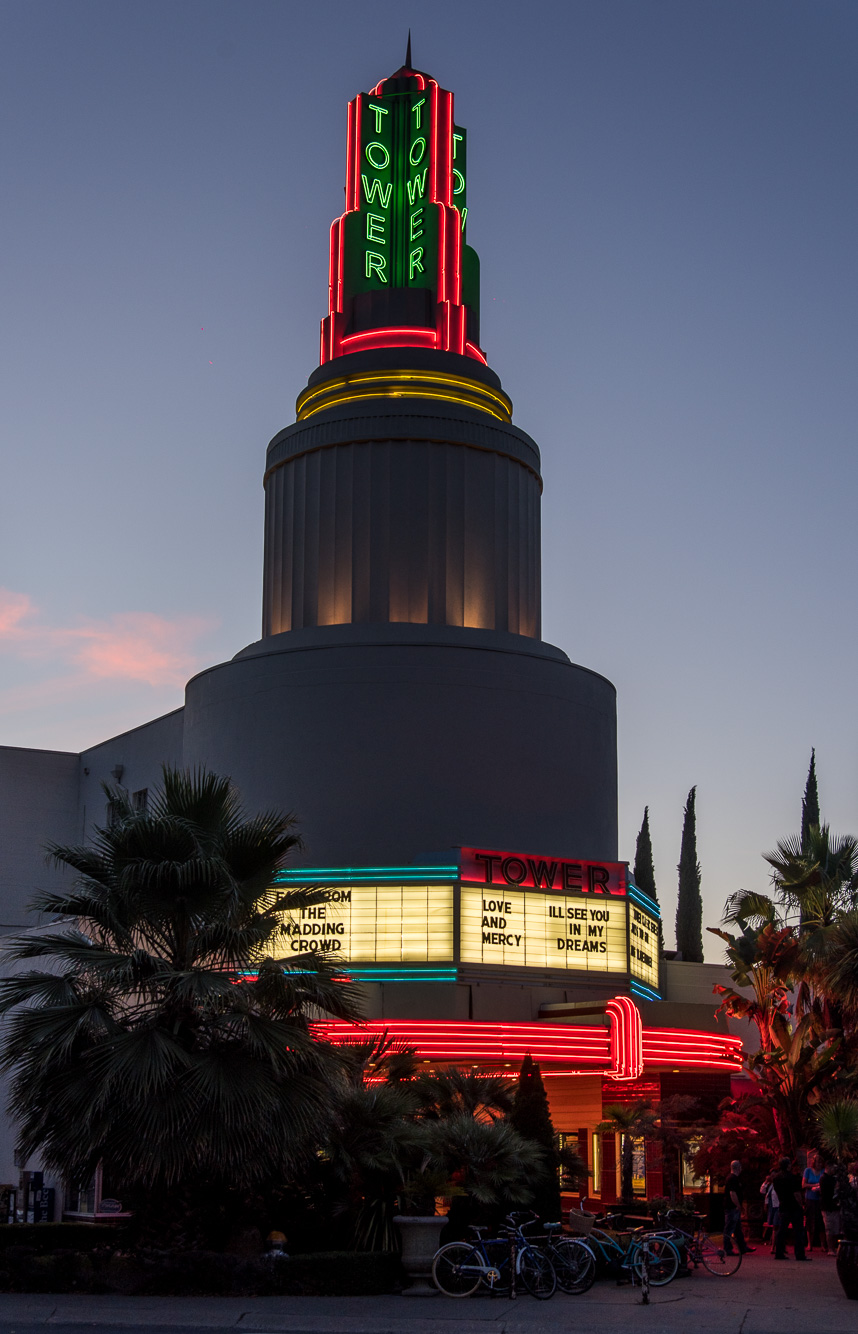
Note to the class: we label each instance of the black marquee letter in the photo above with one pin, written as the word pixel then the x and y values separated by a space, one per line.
pixel 598 876
pixel 506 865
pixel 489 861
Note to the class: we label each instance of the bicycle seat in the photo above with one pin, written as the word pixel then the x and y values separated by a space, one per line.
pixel 472 1227
pixel 552 1227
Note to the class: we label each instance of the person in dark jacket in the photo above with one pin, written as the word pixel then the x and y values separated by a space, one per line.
pixel 787 1183
pixel 829 1203
pixel 733 1196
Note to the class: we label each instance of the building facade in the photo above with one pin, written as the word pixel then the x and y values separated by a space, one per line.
pixel 454 776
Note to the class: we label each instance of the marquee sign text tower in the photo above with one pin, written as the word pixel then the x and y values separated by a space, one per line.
pixel 401 274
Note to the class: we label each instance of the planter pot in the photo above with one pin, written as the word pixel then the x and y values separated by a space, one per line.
pixel 419 1237
pixel 847 1267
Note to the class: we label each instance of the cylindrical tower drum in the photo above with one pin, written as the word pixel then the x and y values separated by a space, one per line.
pixel 403 493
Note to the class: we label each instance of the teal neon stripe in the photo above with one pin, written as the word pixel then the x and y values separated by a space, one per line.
pixel 644 901
pixel 368 870
pixel 643 991
pixel 373 975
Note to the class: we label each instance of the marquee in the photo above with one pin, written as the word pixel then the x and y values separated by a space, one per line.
pixel 492 910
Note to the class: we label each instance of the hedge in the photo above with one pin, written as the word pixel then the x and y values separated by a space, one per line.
pixel 197 1273
pixel 45 1237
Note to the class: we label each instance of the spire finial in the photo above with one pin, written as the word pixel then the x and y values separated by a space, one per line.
pixel 408 51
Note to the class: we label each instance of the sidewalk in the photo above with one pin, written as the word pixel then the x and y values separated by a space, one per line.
pixel 765 1297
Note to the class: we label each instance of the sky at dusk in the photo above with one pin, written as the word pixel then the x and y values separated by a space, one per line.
pixel 664 198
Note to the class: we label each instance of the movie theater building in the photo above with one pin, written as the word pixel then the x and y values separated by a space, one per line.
pixel 455 776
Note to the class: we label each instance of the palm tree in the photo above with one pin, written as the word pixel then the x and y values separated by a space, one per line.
pixel 816 877
pixel 487 1160
pixel 631 1122
pixel 837 1120
pixel 167 1035
pixel 840 967
pixel 452 1091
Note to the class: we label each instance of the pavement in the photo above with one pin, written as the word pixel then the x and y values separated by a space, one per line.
pixel 764 1297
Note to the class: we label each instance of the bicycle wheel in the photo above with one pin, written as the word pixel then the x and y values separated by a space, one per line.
pixel 662 1260
pixel 574 1264
pixel 717 1260
pixel 537 1274
pixel 457 1269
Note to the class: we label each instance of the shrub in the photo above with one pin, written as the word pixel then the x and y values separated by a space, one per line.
pixel 199 1273
pixel 44 1237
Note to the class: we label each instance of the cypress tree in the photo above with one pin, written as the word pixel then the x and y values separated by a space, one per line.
pixel 689 906
pixel 644 870
pixel 531 1117
pixel 809 803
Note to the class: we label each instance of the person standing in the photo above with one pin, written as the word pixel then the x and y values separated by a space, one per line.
pixel 810 1183
pixel 770 1207
pixel 733 1196
pixel 787 1184
pixel 829 1203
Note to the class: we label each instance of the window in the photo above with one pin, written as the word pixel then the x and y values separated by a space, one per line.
pixel 597 1164
pixel 140 799
pixel 638 1165
pixel 81 1200
pixel 689 1180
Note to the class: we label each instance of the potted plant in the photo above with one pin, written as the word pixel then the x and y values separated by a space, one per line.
pixel 487 1161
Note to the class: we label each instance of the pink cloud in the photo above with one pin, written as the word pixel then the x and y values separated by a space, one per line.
pixel 14 608
pixel 128 646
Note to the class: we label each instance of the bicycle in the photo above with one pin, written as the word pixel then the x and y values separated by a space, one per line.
pixel 642 1250
pixel 573 1261
pixel 699 1246
pixel 460 1267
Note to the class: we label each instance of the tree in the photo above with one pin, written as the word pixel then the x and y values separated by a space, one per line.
pixel 840 967
pixel 644 870
pixel 398 1143
pixel 630 1121
pixel 809 803
pixel 168 1036
pixel 451 1092
pixel 689 907
pixel 837 1120
pixel 531 1117
pixel 767 962
pixel 745 1130
pixel 816 877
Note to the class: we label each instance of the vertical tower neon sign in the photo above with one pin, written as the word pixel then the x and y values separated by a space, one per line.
pixel 401 273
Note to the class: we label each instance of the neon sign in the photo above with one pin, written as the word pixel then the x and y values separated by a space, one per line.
pixel 522 871
pixel 401 273
pixel 621 1051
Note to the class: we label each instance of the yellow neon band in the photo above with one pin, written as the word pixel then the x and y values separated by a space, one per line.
pixel 403 393
pixel 411 384
pixel 372 377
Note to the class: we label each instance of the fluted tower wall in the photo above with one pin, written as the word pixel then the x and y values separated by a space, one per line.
pixel 384 507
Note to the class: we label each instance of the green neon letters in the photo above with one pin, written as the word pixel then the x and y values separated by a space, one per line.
pixel 374 223
pixel 417 188
pixel 375 190
pixel 376 264
pixel 392 231
pixel 378 113
pixel 375 148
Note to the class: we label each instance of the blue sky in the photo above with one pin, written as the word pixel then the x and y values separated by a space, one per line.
pixel 663 196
